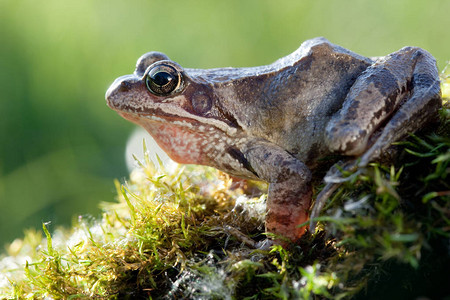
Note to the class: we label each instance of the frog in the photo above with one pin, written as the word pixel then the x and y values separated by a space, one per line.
pixel 279 122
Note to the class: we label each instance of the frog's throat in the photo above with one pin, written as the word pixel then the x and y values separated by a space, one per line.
pixel 183 141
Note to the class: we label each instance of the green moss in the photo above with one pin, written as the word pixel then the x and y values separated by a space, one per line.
pixel 173 234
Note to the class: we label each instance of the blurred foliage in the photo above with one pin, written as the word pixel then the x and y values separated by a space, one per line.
pixel 61 146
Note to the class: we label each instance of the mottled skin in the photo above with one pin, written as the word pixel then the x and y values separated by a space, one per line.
pixel 275 123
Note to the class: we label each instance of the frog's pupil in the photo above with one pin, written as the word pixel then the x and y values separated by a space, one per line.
pixel 162 78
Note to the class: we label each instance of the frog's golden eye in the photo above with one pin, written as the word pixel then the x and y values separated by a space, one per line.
pixel 163 79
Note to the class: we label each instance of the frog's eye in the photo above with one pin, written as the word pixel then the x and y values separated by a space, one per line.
pixel 163 79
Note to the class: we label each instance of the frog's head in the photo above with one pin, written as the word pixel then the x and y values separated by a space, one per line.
pixel 171 104
pixel 160 89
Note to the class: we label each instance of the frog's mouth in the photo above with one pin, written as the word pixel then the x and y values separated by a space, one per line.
pixel 186 121
pixel 146 119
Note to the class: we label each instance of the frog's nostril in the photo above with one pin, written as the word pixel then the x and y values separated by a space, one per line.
pixel 119 88
pixel 125 86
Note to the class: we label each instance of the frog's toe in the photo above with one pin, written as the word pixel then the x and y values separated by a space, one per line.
pixel 326 193
pixel 246 240
pixel 265 244
pixel 240 236
pixel 333 179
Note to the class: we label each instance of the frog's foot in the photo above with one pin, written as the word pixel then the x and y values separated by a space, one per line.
pixel 265 244
pixel 326 193
pixel 249 242
pixel 240 236
pixel 336 173
pixel 333 179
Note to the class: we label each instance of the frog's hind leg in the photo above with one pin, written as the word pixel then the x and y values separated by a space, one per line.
pixel 418 109
pixel 396 96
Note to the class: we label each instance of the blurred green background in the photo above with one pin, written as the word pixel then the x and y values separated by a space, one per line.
pixel 61 147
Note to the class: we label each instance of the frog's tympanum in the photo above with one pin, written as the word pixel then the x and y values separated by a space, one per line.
pixel 276 123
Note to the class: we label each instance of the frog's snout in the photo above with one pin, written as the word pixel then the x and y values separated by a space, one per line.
pixel 120 90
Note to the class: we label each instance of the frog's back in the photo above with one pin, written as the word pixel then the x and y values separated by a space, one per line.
pixel 291 103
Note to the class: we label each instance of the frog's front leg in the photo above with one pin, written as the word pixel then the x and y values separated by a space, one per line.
pixel 395 96
pixel 289 194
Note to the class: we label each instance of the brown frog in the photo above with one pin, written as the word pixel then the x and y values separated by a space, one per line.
pixel 276 123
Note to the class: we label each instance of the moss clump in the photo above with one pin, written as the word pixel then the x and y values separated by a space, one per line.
pixel 182 234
